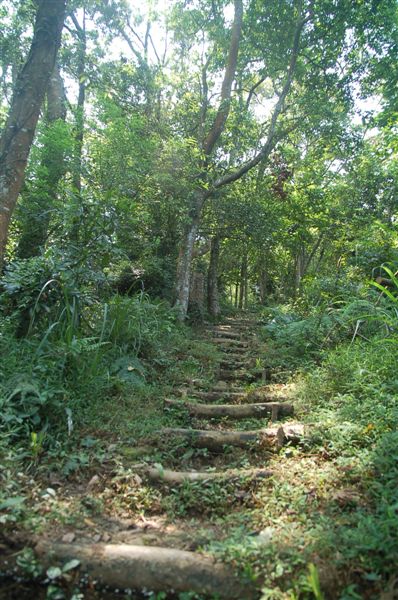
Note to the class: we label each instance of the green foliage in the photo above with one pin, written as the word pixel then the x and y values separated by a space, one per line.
pixel 47 380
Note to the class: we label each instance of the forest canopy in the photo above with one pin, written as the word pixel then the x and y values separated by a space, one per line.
pixel 172 133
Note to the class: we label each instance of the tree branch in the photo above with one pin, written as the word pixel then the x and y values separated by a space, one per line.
pixel 271 137
pixel 253 89
pixel 225 102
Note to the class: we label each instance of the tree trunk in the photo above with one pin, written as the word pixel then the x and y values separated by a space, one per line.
pixel 212 280
pixel 263 277
pixel 74 233
pixel 30 88
pixel 209 143
pixel 243 282
pixel 299 268
pixel 186 255
pixel 197 295
pixel 40 198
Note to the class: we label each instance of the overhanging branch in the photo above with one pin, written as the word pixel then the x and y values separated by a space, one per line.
pixel 272 138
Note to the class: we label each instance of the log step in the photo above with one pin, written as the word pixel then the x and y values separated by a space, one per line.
pixel 235 364
pixel 214 395
pixel 229 375
pixel 217 395
pixel 235 411
pixel 230 342
pixel 220 386
pixel 179 477
pixel 237 356
pixel 125 566
pixel 235 350
pixel 231 335
pixel 271 437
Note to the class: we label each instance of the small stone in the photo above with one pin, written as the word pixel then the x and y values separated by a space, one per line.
pixel 97 538
pixel 68 538
pixel 94 481
pixel 106 537
pixel 265 536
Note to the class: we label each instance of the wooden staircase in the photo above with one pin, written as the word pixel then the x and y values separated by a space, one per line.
pixel 212 412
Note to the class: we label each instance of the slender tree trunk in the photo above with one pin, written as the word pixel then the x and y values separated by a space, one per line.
pixel 213 302
pixel 246 292
pixel 40 199
pixel 209 143
pixel 243 282
pixel 299 267
pixel 81 100
pixel 30 89
pixel 263 278
pixel 185 257
pixel 237 293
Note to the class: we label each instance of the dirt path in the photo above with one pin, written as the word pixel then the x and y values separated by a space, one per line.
pixel 220 454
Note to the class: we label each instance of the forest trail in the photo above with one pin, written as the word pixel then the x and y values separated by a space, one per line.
pixel 217 450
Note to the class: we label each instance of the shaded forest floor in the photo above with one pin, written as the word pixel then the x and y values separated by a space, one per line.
pixel 321 526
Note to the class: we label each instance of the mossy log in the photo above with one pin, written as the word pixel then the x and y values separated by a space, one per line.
pixel 179 477
pixel 235 411
pixel 270 438
pixel 125 566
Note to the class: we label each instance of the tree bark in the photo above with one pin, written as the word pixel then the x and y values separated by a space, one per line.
pixel 179 477
pixel 187 246
pixel 225 103
pixel 183 279
pixel 213 302
pixel 270 438
pixel 235 411
pixel 40 199
pixel 299 267
pixel 30 89
pixel 125 566
pixel 243 282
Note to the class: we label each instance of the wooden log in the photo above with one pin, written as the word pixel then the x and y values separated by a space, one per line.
pixel 228 342
pixel 179 477
pixel 221 328
pixel 235 411
pixel 217 395
pixel 218 386
pixel 238 397
pixel 228 375
pixel 231 335
pixel 243 324
pixel 235 364
pixel 234 350
pixel 124 566
pixel 237 356
pixel 271 437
